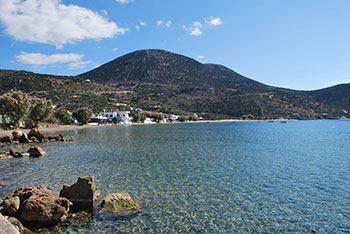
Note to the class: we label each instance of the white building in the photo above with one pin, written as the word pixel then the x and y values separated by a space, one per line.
pixel 124 115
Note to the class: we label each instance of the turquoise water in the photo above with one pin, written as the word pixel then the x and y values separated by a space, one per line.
pixel 244 177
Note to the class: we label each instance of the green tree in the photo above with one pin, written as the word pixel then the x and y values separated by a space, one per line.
pixel 40 110
pixel 116 119
pixel 63 117
pixel 82 115
pixel 15 106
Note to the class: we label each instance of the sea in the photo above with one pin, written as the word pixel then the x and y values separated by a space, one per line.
pixel 225 177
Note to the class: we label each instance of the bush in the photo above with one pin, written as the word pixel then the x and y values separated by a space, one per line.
pixel 82 115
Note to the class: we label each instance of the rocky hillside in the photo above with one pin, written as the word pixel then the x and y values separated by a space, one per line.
pixel 65 91
pixel 170 82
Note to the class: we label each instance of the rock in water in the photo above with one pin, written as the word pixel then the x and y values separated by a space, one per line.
pixel 11 205
pixel 120 203
pixel 83 194
pixel 7 139
pixel 41 206
pixel 24 138
pixel 40 136
pixel 36 151
pixel 6 227
pixel 17 134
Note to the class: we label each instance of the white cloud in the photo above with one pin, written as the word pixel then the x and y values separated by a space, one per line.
pixel 137 27
pixel 51 22
pixel 197 24
pixel 38 59
pixel 78 64
pixel 115 49
pixel 167 24
pixel 124 1
pixel 143 24
pixel 212 21
pixel 159 22
pixel 200 57
pixel 194 31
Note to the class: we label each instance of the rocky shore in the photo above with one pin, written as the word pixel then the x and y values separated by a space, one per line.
pixel 29 209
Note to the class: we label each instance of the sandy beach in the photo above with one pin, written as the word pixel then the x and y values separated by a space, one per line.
pixel 60 128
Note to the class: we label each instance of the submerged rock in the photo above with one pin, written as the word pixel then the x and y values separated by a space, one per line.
pixel 120 203
pixel 36 151
pixel 83 194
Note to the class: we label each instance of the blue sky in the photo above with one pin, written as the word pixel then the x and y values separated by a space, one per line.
pixel 298 44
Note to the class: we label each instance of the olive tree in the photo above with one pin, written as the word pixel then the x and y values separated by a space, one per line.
pixel 82 115
pixel 63 117
pixel 14 106
pixel 40 110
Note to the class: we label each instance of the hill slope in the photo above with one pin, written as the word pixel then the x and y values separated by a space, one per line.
pixel 170 82
pixel 337 96
pixel 65 91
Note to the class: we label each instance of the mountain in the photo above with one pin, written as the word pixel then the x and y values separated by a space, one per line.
pixel 337 96
pixel 172 83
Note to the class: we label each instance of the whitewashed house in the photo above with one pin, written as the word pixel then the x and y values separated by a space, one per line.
pixel 124 115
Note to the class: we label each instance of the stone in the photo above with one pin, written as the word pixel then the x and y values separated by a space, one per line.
pixel 6 227
pixel 11 205
pixel 33 139
pixel 83 194
pixel 120 203
pixel 39 135
pixel 24 138
pixel 71 139
pixel 17 134
pixel 36 151
pixel 15 153
pixel 41 206
pixel 5 155
pixel 7 139
pixel 18 225
pixel 61 135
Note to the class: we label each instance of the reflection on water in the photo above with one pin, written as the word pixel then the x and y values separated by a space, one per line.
pixel 206 178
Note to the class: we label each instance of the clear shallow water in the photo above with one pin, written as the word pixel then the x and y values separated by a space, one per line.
pixel 206 177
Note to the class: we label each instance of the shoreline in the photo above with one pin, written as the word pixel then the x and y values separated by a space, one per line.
pixel 75 127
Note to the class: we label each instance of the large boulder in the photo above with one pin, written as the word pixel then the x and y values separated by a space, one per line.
pixel 36 151
pixel 83 194
pixel 40 206
pixel 120 203
pixel 5 155
pixel 39 135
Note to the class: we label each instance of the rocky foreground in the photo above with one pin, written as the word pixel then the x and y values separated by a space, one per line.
pixel 34 136
pixel 31 208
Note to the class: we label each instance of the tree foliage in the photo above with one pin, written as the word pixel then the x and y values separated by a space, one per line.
pixel 40 110
pixel 82 115
pixel 63 117
pixel 14 106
